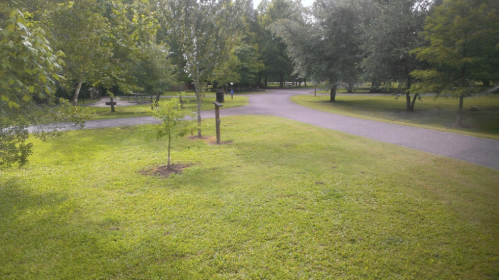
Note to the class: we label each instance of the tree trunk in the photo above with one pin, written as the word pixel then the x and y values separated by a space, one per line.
pixel 158 96
pixel 265 81
pixel 77 92
pixel 374 86
pixel 305 82
pixel 333 93
pixel 408 105
pixel 112 104
pixel 198 99
pixel 414 101
pixel 408 102
pixel 350 87
pixel 180 96
pixel 169 142
pixel 315 90
pixel 460 112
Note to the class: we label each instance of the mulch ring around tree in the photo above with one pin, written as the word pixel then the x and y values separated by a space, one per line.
pixel 163 171
pixel 211 140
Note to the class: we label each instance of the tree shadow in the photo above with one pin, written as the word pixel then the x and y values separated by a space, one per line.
pixel 46 234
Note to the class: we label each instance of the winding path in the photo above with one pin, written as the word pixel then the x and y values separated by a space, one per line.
pixel 468 148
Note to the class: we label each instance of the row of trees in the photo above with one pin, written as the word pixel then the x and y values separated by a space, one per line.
pixel 446 47
pixel 150 45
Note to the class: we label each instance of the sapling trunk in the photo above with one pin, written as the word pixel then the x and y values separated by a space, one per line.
pixel 180 96
pixel 169 146
pixel 112 104
pixel 77 92
pixel 198 99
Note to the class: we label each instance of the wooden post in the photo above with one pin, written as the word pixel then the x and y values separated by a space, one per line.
pixel 217 120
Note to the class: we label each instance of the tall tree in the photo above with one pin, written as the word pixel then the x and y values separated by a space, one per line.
pixel 153 70
pixel 463 49
pixel 173 122
pixel 392 30
pixel 131 25
pixel 81 31
pixel 277 63
pixel 205 32
pixel 326 46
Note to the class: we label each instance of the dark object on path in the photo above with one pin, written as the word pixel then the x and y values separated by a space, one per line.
pixel 220 96
pixel 110 103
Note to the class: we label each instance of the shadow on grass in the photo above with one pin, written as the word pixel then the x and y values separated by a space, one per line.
pixel 54 234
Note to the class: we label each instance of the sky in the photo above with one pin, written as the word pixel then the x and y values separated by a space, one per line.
pixel 303 2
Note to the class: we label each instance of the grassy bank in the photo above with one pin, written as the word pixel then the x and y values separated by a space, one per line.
pixel 432 113
pixel 143 110
pixel 283 201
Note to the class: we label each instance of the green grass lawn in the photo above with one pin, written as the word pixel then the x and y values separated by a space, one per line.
pixel 432 113
pixel 285 200
pixel 143 110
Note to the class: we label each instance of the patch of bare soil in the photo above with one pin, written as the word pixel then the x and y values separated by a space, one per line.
pixel 163 171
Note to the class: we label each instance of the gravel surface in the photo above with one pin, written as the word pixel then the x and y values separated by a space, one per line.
pixel 468 148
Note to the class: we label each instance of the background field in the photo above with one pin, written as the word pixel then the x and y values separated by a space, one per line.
pixel 283 201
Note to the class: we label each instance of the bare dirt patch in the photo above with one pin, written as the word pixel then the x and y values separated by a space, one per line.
pixel 163 171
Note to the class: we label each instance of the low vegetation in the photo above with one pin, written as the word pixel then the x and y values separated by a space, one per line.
pixel 284 200
pixel 431 113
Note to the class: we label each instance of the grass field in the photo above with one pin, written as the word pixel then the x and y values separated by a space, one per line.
pixel 284 200
pixel 432 113
pixel 143 110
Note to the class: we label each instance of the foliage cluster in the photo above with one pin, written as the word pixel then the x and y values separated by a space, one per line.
pixel 443 47
pixel 28 75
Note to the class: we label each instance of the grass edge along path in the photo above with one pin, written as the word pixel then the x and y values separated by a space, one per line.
pixel 284 200
pixel 439 113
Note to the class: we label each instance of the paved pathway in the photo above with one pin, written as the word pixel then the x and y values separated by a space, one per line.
pixel 472 149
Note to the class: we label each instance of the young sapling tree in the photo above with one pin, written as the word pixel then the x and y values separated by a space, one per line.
pixel 175 122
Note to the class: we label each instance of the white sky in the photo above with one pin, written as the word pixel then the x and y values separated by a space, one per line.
pixel 303 2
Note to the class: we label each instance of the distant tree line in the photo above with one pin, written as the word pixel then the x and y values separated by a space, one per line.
pixel 448 47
